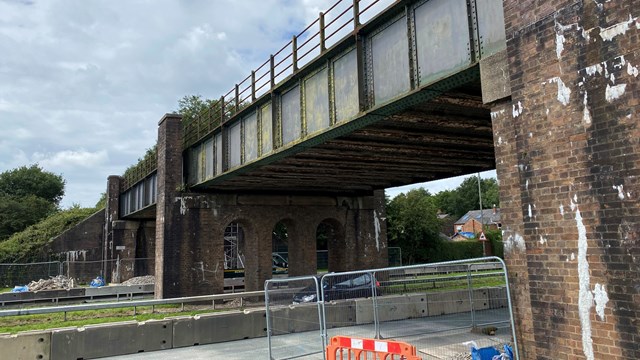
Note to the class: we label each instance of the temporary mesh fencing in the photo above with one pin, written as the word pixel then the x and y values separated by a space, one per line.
pixel 435 307
pixel 21 274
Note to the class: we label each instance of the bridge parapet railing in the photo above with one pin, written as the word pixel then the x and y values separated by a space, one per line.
pixel 329 28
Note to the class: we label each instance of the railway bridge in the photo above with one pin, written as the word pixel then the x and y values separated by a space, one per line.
pixel 370 97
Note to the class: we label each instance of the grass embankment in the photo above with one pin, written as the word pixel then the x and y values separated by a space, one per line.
pixel 439 282
pixel 14 324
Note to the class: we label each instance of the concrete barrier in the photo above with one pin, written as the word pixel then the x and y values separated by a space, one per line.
pixel 218 327
pixel 498 298
pixel 392 307
pixel 453 302
pixel 28 345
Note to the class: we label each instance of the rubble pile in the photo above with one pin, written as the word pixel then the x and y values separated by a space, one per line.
pixel 54 283
pixel 140 280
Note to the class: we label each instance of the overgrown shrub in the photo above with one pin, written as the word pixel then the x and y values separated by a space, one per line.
pixel 495 239
pixel 456 250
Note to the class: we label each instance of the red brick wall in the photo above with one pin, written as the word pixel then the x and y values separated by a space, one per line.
pixel 568 160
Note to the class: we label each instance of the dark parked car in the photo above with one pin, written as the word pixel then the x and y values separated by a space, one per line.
pixel 337 287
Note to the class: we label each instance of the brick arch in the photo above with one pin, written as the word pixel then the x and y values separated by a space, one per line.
pixel 336 259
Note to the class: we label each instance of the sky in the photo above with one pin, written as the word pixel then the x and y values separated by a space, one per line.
pixel 83 84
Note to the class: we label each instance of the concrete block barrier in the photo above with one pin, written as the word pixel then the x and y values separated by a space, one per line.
pixel 221 327
pixel 294 318
pixel 453 302
pixel 28 345
pixel 498 298
pixel 392 307
pixel 183 331
pixel 341 313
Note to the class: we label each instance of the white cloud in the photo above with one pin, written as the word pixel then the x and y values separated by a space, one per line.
pixel 70 159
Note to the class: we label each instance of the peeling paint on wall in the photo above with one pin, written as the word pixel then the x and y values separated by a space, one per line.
pixel 543 240
pixel 517 110
pixel 561 209
pixel 614 92
pixel 586 114
pixel 75 255
pixel 376 224
pixel 620 189
pixel 585 297
pixel 601 299
pixel 514 242
pixel 632 70
pixel 564 93
pixel 495 114
pixel 607 34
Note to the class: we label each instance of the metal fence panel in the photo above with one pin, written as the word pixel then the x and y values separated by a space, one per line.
pixel 21 274
pixel 291 311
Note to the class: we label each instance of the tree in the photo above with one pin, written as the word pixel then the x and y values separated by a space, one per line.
pixel 191 106
pixel 413 225
pixel 27 195
pixel 33 180
pixel 465 197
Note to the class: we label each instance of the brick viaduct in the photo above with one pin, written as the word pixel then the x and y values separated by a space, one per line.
pixel 564 119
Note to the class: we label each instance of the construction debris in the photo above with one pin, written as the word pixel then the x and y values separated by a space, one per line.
pixel 140 280
pixel 54 283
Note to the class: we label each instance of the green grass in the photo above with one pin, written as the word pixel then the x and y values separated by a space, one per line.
pixel 444 285
pixel 14 324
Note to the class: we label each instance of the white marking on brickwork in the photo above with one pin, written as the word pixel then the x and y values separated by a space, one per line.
pixel 564 93
pixel 593 69
pixel 526 184
pixel 586 114
pixel 601 299
pixel 530 214
pixel 530 134
pixel 542 240
pixel 620 189
pixel 517 110
pixel 547 112
pixel 612 77
pixel 561 209
pixel 183 206
pixel 559 45
pixel 495 114
pixel 376 224
pixel 514 242
pixel 632 70
pixel 585 297
pixel 74 255
pixel 573 256
pixel 614 92
pixel 607 34
pixel 499 140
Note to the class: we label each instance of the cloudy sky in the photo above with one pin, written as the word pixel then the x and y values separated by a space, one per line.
pixel 84 83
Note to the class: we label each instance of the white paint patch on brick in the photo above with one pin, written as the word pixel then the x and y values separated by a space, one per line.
pixel 499 140
pixel 559 45
pixel 495 114
pixel 632 70
pixel 517 110
pixel 614 92
pixel 564 93
pixel 585 297
pixel 601 299
pixel 593 69
pixel 586 114
pixel 573 256
pixel 376 224
pixel 183 205
pixel 542 240
pixel 607 34
pixel 530 212
pixel 620 189
pixel 561 209
pixel 526 184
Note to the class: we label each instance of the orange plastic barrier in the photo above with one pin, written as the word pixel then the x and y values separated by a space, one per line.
pixel 360 349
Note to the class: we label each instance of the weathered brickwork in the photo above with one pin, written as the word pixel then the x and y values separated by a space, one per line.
pixel 568 160
pixel 190 229
pixel 201 219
